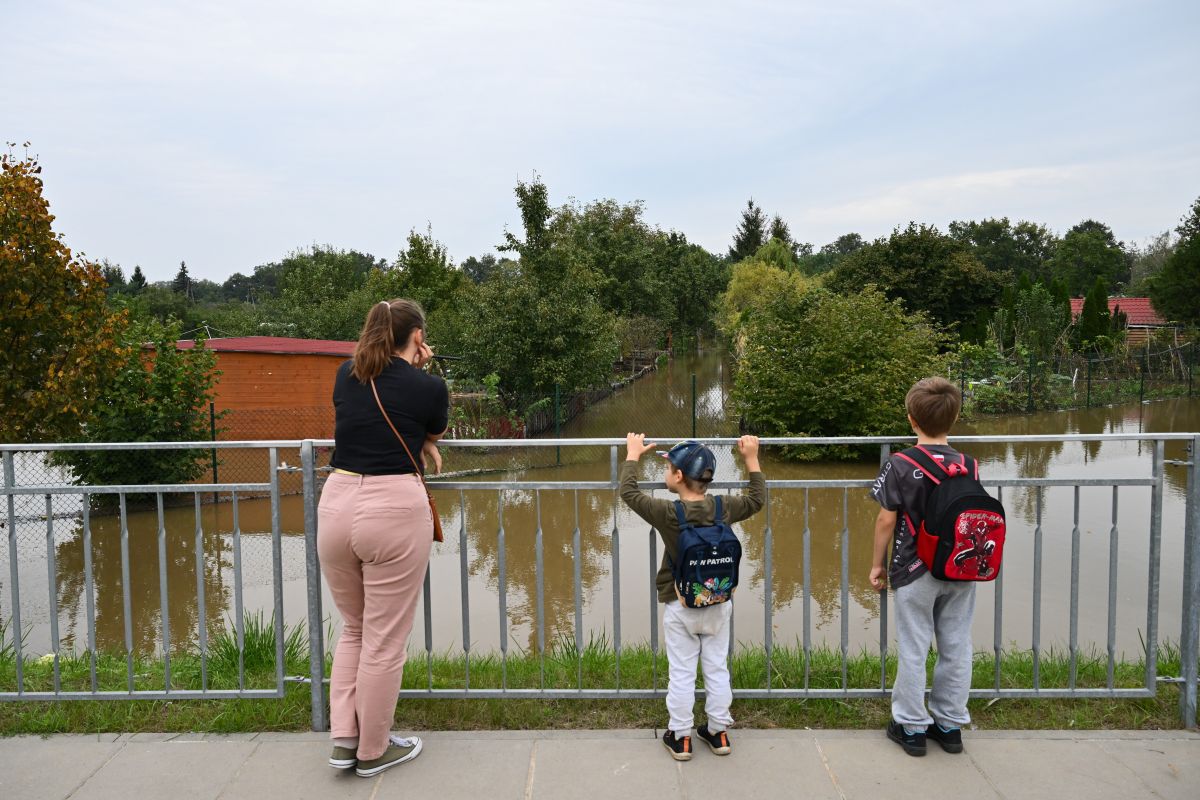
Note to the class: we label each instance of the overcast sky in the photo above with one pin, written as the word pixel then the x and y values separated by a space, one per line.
pixel 229 133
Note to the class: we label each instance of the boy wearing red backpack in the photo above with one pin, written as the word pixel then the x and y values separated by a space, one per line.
pixel 693 634
pixel 925 607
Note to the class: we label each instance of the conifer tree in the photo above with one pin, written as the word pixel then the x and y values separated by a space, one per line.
pixel 751 233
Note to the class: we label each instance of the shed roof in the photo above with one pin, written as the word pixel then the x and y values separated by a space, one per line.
pixel 275 344
pixel 1137 310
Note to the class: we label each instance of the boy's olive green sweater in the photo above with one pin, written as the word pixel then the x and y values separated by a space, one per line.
pixel 660 512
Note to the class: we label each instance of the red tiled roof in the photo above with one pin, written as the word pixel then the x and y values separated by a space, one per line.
pixel 275 344
pixel 1137 310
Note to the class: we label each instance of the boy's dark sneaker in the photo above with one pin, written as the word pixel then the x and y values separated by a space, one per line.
pixel 951 740
pixel 717 742
pixel 680 747
pixel 913 743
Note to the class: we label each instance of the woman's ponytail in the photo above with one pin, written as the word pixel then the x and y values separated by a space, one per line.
pixel 389 324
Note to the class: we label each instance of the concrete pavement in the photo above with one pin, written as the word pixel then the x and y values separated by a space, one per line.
pixel 524 765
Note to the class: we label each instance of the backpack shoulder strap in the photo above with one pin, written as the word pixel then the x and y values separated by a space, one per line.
pixel 680 515
pixel 921 460
pixel 720 510
pixel 939 463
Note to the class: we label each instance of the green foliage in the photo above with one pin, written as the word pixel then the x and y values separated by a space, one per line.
pixel 751 233
pixel 824 364
pixel 159 395
pixel 753 288
pixel 1020 250
pixel 1094 328
pixel 59 340
pixel 693 279
pixel 1087 252
pixel 928 272
pixel 1031 318
pixel 1175 292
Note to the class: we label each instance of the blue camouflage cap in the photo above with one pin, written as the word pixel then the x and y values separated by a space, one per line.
pixel 693 459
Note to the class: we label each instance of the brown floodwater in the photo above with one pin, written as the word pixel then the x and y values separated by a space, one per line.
pixel 661 406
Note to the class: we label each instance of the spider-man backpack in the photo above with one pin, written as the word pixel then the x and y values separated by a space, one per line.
pixel 961 537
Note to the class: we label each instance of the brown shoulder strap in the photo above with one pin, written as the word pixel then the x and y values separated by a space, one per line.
pixel 404 444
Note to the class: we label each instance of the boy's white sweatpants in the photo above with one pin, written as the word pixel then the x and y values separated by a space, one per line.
pixel 698 634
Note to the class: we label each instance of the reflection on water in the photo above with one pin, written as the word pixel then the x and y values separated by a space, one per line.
pixel 661 405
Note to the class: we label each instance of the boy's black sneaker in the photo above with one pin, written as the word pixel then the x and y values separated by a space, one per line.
pixel 951 740
pixel 913 743
pixel 717 742
pixel 679 747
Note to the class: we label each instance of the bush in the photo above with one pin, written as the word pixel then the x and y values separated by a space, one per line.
pixel 823 364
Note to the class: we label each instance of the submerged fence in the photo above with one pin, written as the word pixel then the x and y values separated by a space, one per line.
pixel 506 518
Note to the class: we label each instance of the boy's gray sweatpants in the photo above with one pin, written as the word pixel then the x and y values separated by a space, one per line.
pixel 925 609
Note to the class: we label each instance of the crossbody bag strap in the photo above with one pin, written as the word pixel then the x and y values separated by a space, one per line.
pixel 404 444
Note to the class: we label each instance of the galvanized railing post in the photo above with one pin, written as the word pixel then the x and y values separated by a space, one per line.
pixel 1189 635
pixel 312 570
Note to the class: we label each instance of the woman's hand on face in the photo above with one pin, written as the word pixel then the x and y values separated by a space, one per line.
pixel 430 454
pixel 423 355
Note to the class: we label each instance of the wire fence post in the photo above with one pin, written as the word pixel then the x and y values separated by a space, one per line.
pixel 1191 368
pixel 693 405
pixel 212 425
pixel 1029 385
pixel 1189 635
pixel 1142 381
pixel 962 378
pixel 1089 382
pixel 558 422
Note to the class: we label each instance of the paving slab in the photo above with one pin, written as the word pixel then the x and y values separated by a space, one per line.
pixel 870 765
pixel 298 770
pixel 1052 769
pixel 1169 767
pixel 778 765
pixel 145 769
pixel 622 767
pixel 24 760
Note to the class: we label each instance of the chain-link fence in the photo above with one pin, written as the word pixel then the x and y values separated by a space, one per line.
pixel 1013 383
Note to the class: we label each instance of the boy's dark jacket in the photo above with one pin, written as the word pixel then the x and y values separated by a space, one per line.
pixel 660 512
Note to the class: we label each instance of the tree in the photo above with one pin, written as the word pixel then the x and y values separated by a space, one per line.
pixel 319 295
pixel 1149 260
pixel 114 276
pixel 1021 249
pixel 1089 251
pixel 824 364
pixel 781 233
pixel 694 279
pixel 1189 223
pixel 844 245
pixel 479 269
pixel 160 394
pixel 182 283
pixel 427 274
pixel 137 281
pixel 1095 320
pixel 755 285
pixel 929 272
pixel 751 233
pixel 1175 291
pixel 61 342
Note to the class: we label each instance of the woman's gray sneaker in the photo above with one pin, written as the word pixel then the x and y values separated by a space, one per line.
pixel 343 758
pixel 399 750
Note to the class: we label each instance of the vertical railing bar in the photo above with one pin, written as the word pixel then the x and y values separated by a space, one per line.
pixel 1112 593
pixel 201 608
pixel 1037 593
pixel 52 577
pixel 239 613
pixel 427 615
pixel 845 599
pixel 502 579
pixel 1189 634
pixel 277 569
pixel 998 613
pixel 540 570
pixel 1152 590
pixel 768 581
pixel 807 592
pixel 653 540
pixel 732 616
pixel 126 600
pixel 312 572
pixel 462 578
pixel 1074 623
pixel 885 454
pixel 162 592
pixel 13 573
pixel 89 590
pixel 576 550
pixel 616 575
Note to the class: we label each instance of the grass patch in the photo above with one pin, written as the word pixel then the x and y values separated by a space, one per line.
pixel 563 667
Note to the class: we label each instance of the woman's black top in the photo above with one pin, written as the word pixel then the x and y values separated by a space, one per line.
pixel 417 402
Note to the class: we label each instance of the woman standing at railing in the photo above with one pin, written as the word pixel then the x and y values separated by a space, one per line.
pixel 375 527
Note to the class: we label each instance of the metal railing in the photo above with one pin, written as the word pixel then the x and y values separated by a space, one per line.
pixel 782 494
